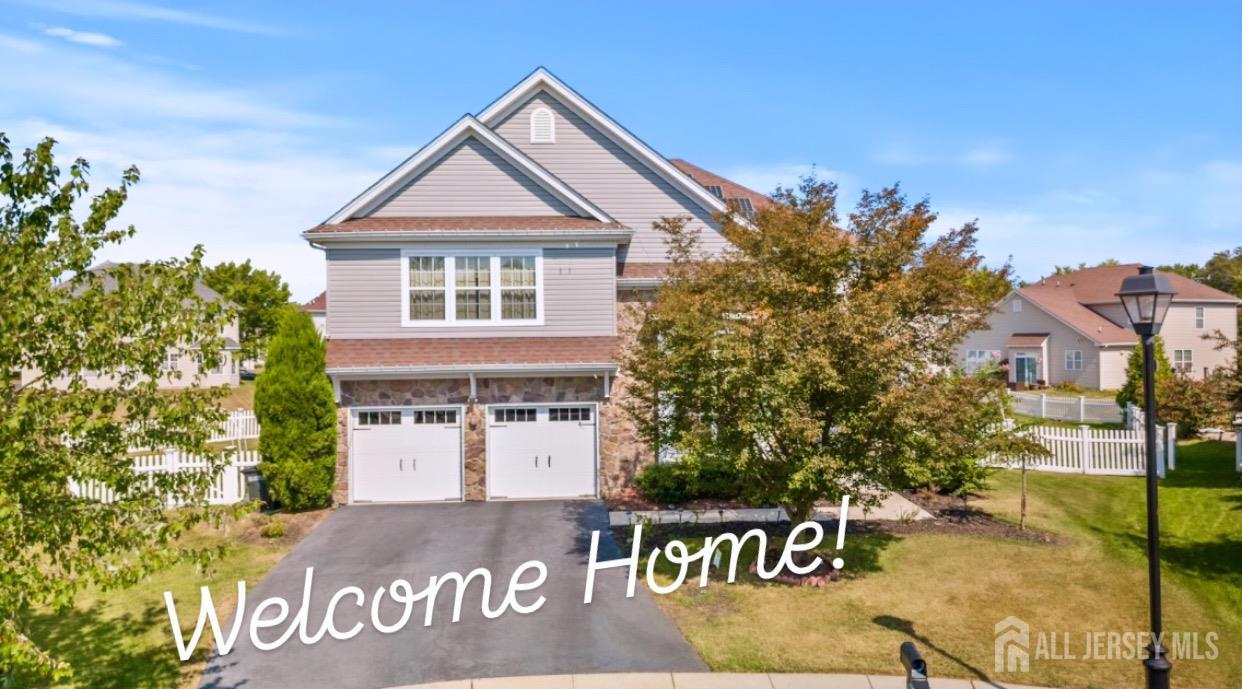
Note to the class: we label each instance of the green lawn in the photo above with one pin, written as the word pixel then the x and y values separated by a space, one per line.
pixel 122 639
pixel 946 591
pixel 240 397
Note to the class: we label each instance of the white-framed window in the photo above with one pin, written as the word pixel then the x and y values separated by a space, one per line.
pixel 514 415
pixel 472 287
pixel 542 126
pixel 172 360
pixel 435 416
pixel 1183 360
pixel 977 359
pixel 1073 360
pixel 569 414
pixel 1017 306
pixel 1199 317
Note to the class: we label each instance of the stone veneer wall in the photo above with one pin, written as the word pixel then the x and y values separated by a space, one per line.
pixel 622 453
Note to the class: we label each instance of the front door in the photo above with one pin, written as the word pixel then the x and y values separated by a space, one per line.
pixel 1025 369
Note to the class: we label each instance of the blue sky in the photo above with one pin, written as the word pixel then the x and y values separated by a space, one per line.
pixel 1072 131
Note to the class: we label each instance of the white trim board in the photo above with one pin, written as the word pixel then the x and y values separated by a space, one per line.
pixel 465 128
pixel 541 78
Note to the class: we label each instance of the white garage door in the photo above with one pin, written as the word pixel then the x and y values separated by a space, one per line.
pixel 406 455
pixel 541 451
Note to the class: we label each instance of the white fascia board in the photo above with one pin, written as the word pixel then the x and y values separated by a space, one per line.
pixel 611 238
pixel 464 128
pixel 542 78
pixel 370 372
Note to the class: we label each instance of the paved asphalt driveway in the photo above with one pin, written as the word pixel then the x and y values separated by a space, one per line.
pixel 371 546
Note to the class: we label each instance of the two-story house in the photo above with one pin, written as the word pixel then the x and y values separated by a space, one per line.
pixel 1071 328
pixel 182 367
pixel 474 299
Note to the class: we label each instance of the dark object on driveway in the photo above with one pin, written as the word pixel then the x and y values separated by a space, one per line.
pixel 916 667
pixel 247 374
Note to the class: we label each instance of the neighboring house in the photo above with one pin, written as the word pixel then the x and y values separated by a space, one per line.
pixel 1071 328
pixel 317 309
pixel 477 294
pixel 185 361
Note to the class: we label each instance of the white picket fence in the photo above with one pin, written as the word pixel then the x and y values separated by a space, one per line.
pixel 230 485
pixel 1081 409
pixel 1103 451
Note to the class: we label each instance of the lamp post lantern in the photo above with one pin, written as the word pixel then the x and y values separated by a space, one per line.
pixel 1146 298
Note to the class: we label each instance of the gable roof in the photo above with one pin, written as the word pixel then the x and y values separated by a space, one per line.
pixel 1099 285
pixel 729 189
pixel 1069 298
pixel 465 128
pixel 106 269
pixel 543 80
pixel 317 305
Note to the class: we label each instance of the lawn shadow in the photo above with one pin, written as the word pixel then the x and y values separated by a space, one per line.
pixel 1219 559
pixel 1205 464
pixel 904 626
pixel 101 648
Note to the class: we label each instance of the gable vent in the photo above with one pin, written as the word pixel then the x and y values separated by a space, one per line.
pixel 542 127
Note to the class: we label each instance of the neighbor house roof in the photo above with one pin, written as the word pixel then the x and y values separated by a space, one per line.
pixel 729 189
pixel 470 353
pixel 317 305
pixel 1070 296
pixel 106 268
pixel 1026 339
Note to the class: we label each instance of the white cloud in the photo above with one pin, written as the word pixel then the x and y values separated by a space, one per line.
pixel 136 11
pixel 12 44
pixel 985 156
pixel 99 40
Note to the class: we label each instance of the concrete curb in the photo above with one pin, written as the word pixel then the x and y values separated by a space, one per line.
pixel 707 680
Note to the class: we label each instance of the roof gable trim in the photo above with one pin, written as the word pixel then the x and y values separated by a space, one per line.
pixel 465 128
pixel 541 78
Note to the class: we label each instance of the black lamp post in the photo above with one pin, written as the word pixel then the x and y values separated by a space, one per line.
pixel 1146 298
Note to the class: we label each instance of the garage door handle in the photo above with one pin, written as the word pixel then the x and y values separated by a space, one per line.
pixel 400 465
pixel 414 464
pixel 536 461
pixel 549 461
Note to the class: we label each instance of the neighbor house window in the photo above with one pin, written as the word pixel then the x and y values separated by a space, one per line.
pixel 1073 360
pixel 172 361
pixel 426 288
pixel 1198 316
pixel 1183 360
pixel 977 359
pixel 472 288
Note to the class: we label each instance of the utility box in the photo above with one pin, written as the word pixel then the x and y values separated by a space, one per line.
pixel 256 486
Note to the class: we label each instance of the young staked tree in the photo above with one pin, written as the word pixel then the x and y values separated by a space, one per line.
pixel 817 355
pixel 1131 391
pixel 66 327
pixel 261 297
pixel 294 403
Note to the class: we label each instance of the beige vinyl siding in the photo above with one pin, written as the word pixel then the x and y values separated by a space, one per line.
pixel 471 180
pixel 1004 323
pixel 1179 332
pixel 613 179
pixel 364 288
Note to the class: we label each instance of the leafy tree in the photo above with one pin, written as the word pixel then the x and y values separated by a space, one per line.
pixel 1195 404
pixel 1224 271
pixel 260 295
pixel 1189 270
pixel 294 403
pixel 1065 270
pixel 993 283
pixel 812 354
pixel 1131 391
pixel 117 322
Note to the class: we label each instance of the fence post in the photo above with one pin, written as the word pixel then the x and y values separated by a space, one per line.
pixel 1237 448
pixel 1160 435
pixel 1043 406
pixel 1170 445
pixel 1084 453
pixel 1082 408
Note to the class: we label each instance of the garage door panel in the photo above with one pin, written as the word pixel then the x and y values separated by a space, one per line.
pixel 542 451
pixel 410 455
